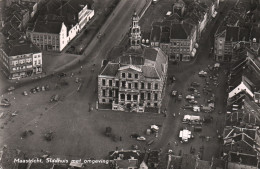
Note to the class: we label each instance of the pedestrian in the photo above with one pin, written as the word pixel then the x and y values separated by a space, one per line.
pixel 81 67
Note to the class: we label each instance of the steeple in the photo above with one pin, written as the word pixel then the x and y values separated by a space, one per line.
pixel 135 32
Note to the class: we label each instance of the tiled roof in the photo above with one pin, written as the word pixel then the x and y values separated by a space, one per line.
pixel 232 33
pixel 20 48
pixel 110 69
pixel 150 54
pixel 150 72
pixel 47 27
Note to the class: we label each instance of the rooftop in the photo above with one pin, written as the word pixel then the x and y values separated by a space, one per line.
pixel 250 160
pixel 20 47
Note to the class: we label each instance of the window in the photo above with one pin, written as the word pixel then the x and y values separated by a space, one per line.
pixel 128 97
pixel 117 83
pixel 129 75
pixel 103 82
pixel 136 76
pixel 155 96
pixel 142 96
pixel 142 85
pixel 148 96
pixel 135 97
pixel 136 85
pixel 123 75
pixel 122 96
pixel 103 100
pixel 123 83
pixel 110 93
pixel 156 86
pixel 110 82
pixel 149 86
pixel 155 104
pixel 103 92
pixel 129 86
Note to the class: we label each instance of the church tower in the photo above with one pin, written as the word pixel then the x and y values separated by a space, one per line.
pixel 135 33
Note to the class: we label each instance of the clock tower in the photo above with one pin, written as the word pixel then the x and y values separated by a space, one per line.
pixel 135 33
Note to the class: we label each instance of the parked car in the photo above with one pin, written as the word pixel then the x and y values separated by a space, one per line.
pixel 191 89
pixel 187 106
pixel 43 88
pixel 174 93
pixel 11 88
pixel 134 135
pixel 62 74
pixel 193 102
pixel 25 93
pixel 180 96
pixel 203 73
pixel 141 138
pixel 195 84
pixel 55 97
pixel 190 97
pixel 33 90
pixel 38 89
pixel 5 102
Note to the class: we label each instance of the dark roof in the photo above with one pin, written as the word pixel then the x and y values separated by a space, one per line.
pixel 150 54
pixel 245 159
pixel 255 33
pixel 218 164
pixel 21 47
pixel 156 33
pixel 165 37
pixel 47 27
pixel 188 161
pixel 178 32
pixel 232 33
pixel 125 154
pixel 109 69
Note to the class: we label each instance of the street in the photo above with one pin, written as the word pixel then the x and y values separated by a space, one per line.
pixel 78 132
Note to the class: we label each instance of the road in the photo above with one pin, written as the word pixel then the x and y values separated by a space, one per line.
pixel 184 74
pixel 37 113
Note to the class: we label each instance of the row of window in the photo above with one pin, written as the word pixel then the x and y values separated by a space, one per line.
pixel 110 101
pixel 129 75
pixel 132 85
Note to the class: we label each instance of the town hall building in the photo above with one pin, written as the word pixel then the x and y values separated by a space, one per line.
pixel 133 79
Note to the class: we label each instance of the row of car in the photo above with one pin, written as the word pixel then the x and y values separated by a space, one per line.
pixel 37 89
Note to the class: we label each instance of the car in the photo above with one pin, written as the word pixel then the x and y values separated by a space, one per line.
pixel 190 97
pixel 203 73
pixel 33 90
pixel 38 89
pixel 134 135
pixel 11 88
pixel 25 93
pixel 187 106
pixel 47 87
pixel 193 102
pixel 195 84
pixel 43 88
pixel 173 78
pixel 77 80
pixel 141 138
pixel 62 74
pixel 174 93
pixel 179 96
pixel 191 89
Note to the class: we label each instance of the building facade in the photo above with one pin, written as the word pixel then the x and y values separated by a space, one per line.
pixel 134 82
pixel 56 29
pixel 20 59
pixel 177 40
